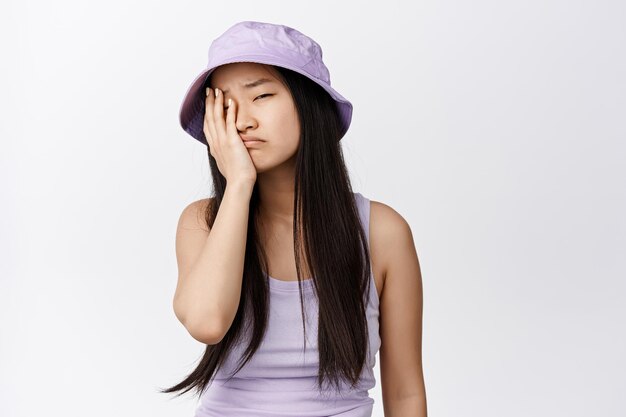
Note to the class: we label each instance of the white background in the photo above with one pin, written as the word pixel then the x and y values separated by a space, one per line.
pixel 496 128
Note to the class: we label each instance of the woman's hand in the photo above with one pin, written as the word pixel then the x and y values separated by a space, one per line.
pixel 225 144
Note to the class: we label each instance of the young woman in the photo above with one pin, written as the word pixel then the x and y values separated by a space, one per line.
pixel 292 280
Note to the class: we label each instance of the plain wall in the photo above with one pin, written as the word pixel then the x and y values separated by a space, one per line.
pixel 495 128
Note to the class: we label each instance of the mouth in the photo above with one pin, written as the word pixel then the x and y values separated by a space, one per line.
pixel 249 143
pixel 250 138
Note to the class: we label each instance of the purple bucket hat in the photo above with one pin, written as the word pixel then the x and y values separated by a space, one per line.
pixel 263 43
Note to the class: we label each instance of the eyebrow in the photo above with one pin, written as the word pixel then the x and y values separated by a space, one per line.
pixel 254 84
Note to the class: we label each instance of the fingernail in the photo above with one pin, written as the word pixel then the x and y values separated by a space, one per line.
pixel 217 92
pixel 230 102
pixel 208 90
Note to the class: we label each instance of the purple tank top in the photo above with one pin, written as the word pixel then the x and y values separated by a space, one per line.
pixel 281 377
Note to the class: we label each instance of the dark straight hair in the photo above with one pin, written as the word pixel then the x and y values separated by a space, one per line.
pixel 334 242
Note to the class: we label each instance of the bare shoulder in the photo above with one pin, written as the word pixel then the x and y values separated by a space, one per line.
pixel 193 215
pixel 386 214
pixel 390 233
pixel 387 223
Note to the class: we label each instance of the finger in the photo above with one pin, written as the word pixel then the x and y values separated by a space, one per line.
pixel 218 115
pixel 208 137
pixel 208 117
pixel 231 129
pixel 205 126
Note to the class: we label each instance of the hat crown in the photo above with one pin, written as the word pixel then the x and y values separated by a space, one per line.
pixel 269 39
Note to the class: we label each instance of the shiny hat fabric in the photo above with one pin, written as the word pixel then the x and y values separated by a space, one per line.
pixel 263 43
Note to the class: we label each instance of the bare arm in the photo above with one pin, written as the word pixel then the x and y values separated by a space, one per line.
pixel 210 265
pixel 401 311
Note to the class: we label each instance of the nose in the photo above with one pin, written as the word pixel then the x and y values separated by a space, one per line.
pixel 244 120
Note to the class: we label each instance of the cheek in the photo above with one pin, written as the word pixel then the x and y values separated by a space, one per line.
pixel 283 148
pixel 289 123
pixel 283 123
pixel 286 147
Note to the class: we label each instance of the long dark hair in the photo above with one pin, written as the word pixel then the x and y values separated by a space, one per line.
pixel 335 247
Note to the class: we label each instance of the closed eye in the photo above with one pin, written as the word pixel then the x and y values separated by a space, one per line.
pixel 262 95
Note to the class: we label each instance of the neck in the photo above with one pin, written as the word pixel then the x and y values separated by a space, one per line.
pixel 276 194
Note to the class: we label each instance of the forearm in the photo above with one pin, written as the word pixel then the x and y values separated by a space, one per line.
pixel 209 295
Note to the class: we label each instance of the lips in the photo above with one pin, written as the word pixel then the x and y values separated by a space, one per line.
pixel 251 138
pixel 252 143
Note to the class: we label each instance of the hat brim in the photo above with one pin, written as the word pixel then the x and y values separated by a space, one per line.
pixel 191 114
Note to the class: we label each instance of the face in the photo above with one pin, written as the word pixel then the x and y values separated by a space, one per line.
pixel 266 111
